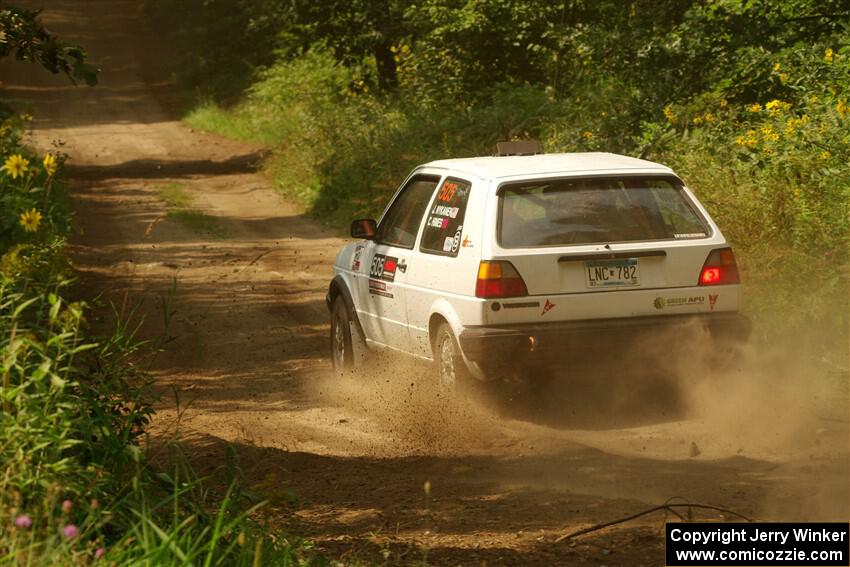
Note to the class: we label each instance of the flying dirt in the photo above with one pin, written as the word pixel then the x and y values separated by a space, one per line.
pixel 183 229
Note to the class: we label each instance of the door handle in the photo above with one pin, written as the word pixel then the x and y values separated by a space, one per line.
pixel 402 266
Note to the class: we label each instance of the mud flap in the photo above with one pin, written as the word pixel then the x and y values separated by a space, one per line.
pixel 359 350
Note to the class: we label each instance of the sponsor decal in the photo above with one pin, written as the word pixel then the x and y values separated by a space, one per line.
pixel 685 301
pixel 383 268
pixel 712 299
pixel 452 243
pixel 456 239
pixel 355 262
pixel 467 243
pixel 521 304
pixel 690 235
pixel 378 287
pixel 547 307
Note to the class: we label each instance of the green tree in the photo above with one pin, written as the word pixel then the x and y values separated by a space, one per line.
pixel 24 36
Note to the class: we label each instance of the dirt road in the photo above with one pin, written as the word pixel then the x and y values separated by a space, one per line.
pixel 238 279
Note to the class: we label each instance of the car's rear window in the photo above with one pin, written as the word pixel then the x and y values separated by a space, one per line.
pixel 589 210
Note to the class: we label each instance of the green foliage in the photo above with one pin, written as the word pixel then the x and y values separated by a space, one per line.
pixel 22 34
pixel 219 58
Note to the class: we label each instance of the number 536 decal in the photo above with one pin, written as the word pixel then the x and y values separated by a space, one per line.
pixel 383 267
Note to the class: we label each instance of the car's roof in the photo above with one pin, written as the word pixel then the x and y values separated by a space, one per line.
pixel 545 164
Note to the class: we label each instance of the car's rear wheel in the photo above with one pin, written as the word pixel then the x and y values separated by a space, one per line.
pixel 342 351
pixel 451 370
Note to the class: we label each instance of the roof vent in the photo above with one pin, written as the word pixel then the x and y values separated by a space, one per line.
pixel 518 148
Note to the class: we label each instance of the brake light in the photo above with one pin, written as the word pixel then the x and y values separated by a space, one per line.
pixel 499 280
pixel 719 268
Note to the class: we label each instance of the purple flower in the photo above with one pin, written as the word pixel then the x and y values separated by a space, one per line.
pixel 70 531
pixel 23 521
pixel 99 552
pixel 67 505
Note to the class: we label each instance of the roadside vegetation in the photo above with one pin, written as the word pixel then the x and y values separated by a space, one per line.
pixel 77 485
pixel 748 101
pixel 180 209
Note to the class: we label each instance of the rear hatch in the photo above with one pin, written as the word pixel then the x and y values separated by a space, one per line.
pixel 606 247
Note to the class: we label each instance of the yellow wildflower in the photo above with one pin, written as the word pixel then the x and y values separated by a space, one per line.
pixel 587 134
pixel 15 166
pixel 842 107
pixel 754 107
pixel 825 155
pixel 723 103
pixel 697 120
pixel 793 123
pixel 50 164
pixel 776 106
pixel 708 117
pixel 769 134
pixel 828 55
pixel 777 66
pixel 749 141
pixel 783 77
pixel 30 220
pixel 669 114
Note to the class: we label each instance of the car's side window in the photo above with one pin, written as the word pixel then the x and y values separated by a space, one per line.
pixel 401 221
pixel 444 222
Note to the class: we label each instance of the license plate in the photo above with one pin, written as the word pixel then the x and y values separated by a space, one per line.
pixel 612 273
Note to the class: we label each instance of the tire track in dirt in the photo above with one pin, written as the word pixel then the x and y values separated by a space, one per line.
pixel 247 365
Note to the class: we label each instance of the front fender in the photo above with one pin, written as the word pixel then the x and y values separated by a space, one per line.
pixel 339 287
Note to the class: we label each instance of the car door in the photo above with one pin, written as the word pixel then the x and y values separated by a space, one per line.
pixel 382 292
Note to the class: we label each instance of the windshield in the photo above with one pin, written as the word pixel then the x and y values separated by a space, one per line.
pixel 592 210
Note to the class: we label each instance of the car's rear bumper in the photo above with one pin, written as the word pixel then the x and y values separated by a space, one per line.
pixel 506 342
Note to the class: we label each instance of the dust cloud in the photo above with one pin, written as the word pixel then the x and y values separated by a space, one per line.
pixel 700 401
pixel 407 412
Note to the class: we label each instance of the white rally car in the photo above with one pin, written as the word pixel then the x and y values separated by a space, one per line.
pixel 490 263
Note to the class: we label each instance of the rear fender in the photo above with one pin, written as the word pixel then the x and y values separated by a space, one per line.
pixel 442 309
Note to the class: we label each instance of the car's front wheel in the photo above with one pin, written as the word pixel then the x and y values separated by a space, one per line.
pixel 342 352
pixel 450 367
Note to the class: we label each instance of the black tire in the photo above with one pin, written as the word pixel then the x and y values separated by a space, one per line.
pixel 342 351
pixel 449 366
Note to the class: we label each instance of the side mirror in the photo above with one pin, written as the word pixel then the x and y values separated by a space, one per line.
pixel 364 228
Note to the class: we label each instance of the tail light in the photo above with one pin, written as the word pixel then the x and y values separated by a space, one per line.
pixel 719 268
pixel 499 280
